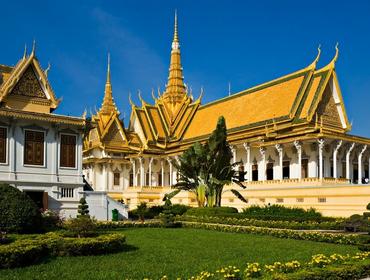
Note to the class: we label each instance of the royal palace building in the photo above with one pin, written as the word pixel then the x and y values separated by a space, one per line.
pixel 290 135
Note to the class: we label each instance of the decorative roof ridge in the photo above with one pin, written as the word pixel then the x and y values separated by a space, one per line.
pixel 331 64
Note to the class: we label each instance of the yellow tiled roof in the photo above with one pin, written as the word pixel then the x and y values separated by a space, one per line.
pixel 269 101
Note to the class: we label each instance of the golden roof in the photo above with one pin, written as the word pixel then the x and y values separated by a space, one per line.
pixel 306 103
pixel 16 81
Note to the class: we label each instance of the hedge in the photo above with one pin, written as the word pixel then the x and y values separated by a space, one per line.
pixel 128 224
pixel 334 225
pixel 27 251
pixel 350 239
pixel 211 211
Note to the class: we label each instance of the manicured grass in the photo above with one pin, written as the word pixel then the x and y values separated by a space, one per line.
pixel 176 252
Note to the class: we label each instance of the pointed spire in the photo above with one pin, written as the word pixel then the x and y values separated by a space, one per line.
pixel 175 87
pixel 331 64
pixel 108 69
pixel 108 105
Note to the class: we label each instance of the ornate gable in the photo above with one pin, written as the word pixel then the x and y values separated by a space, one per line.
pixel 28 85
pixel 114 135
pixel 328 111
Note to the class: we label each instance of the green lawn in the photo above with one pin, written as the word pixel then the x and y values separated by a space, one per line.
pixel 176 252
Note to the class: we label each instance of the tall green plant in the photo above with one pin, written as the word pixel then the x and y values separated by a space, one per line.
pixel 206 168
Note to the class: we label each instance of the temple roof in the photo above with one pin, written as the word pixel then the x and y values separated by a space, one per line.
pixel 305 103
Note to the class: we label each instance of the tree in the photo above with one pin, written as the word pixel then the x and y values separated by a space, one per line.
pixel 18 212
pixel 83 209
pixel 142 209
pixel 205 168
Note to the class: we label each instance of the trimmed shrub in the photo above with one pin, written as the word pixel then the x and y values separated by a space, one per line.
pixel 211 211
pixel 83 226
pixel 178 209
pixel 18 212
pixel 279 212
pixel 154 211
pixel 334 225
pixel 30 250
pixel 83 208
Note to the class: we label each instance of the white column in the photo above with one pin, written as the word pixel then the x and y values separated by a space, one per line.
pixel 360 164
pixel 150 171
pixel 368 170
pixel 162 172
pixel 248 167
pixel 348 154
pixel 105 177
pixel 133 162
pixel 321 162
pixel 263 156
pixel 141 170
pixel 12 151
pixel 233 150
pixel 279 148
pixel 335 153
pixel 175 171
pixel 298 146
pixel 171 171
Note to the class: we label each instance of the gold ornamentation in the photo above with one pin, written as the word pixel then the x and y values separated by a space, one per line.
pixel 28 85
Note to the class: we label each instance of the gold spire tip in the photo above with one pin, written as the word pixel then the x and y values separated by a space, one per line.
pixel 33 47
pixel 108 69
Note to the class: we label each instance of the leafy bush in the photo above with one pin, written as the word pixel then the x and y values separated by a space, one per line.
pixel 30 250
pixel 279 212
pixel 83 226
pixel 355 223
pixel 154 211
pixel 51 220
pixel 211 211
pixel 18 212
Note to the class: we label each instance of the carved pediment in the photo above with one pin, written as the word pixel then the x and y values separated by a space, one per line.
pixel 328 109
pixel 114 134
pixel 28 85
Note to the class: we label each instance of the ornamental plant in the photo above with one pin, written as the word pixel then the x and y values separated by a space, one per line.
pixel 82 226
pixel 83 208
pixel 253 270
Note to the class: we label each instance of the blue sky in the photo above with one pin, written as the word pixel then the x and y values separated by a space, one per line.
pixel 241 42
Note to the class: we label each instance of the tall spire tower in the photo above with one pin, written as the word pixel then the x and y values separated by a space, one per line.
pixel 175 89
pixel 108 105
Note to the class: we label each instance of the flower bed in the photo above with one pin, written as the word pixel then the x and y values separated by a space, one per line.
pixel 320 267
pixel 311 225
pixel 350 239
pixel 26 251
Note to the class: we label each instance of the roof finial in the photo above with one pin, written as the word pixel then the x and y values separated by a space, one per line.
pixel 313 64
pixel 25 51
pixel 108 69
pixel 47 69
pixel 33 47
pixel 336 52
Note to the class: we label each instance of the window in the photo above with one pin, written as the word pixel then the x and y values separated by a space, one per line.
pixel 67 150
pixel 300 199
pixel 131 179
pixel 3 138
pixel 241 173
pixel 159 178
pixel 147 179
pixel 321 199
pixel 304 168
pixel 263 200
pixel 254 172
pixel 269 171
pixel 280 200
pixel 67 192
pixel 34 147
pixel 286 169
pixel 116 177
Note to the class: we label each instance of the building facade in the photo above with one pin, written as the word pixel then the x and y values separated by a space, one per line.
pixel 290 135
pixel 40 152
